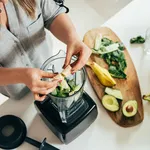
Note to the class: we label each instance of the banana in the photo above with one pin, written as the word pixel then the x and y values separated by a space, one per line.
pixel 102 74
pixel 65 73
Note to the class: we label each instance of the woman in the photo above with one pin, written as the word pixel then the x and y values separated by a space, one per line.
pixel 23 46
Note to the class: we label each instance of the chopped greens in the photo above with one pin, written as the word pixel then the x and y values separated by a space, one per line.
pixel 137 40
pixel 117 63
pixel 60 91
pixel 106 41
pixel 121 46
pixel 116 73
pixel 104 45
pixel 113 54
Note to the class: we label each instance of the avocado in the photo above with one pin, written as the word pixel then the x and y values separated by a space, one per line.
pixel 114 92
pixel 110 103
pixel 130 108
pixel 54 92
pixel 76 88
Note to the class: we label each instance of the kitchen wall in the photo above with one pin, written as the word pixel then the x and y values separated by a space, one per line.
pixel 83 12
pixel 107 8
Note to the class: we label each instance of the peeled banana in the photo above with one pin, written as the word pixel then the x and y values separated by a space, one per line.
pixel 102 74
pixel 65 73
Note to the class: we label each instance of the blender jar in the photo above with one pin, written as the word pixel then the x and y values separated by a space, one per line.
pixel 70 104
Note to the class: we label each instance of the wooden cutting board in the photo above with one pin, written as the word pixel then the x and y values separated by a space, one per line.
pixel 129 87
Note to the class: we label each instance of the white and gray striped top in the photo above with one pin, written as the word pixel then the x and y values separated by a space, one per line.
pixel 25 44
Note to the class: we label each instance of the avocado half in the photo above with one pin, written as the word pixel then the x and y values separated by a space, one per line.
pixel 130 108
pixel 110 103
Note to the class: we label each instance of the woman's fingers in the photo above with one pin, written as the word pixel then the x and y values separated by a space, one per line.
pixel 47 74
pixel 38 97
pixel 68 58
pixel 41 94
pixel 82 59
pixel 47 84
pixel 45 92
pixel 82 52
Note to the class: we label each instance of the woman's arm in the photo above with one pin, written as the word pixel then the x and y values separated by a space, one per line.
pixel 10 76
pixel 31 77
pixel 63 29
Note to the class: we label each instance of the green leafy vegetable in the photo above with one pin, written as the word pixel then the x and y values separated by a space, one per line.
pixel 121 46
pixel 106 42
pixel 60 91
pixel 137 40
pixel 116 73
pixel 104 45
pixel 116 62
pixel 112 53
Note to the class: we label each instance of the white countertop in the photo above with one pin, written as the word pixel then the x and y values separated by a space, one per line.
pixel 103 134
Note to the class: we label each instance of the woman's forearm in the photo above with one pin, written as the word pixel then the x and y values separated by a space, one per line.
pixel 63 29
pixel 11 76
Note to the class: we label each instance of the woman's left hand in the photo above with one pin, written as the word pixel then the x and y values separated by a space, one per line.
pixel 79 49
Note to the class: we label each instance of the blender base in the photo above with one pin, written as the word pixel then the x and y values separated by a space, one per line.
pixel 75 125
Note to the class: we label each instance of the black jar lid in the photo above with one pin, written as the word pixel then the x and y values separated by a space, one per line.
pixel 12 132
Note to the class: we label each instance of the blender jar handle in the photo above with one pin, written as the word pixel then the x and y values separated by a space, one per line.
pixel 61 53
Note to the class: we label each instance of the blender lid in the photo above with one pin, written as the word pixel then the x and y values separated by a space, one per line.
pixel 13 133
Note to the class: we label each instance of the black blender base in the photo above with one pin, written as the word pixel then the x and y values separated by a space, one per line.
pixel 76 125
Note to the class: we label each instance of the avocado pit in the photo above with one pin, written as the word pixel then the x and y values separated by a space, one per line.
pixel 129 108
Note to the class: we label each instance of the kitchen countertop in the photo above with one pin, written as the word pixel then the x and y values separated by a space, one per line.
pixel 103 134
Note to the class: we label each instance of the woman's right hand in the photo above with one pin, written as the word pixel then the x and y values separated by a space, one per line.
pixel 32 78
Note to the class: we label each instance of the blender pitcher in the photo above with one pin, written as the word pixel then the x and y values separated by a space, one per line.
pixel 66 106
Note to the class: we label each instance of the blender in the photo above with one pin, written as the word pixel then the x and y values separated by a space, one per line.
pixel 71 115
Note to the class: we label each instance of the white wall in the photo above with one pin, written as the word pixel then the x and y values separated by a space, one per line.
pixel 105 8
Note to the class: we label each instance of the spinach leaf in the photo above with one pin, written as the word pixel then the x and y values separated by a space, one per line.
pixel 121 46
pixel 116 73
pixel 106 42
pixel 137 40
pixel 122 65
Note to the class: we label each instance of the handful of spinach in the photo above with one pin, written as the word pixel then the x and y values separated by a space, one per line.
pixel 137 40
pixel 115 59
pixel 116 62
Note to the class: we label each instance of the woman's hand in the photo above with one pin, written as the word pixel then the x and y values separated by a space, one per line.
pixel 32 78
pixel 63 29
pixel 79 49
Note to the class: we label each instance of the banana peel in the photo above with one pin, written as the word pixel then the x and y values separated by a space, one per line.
pixel 102 74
